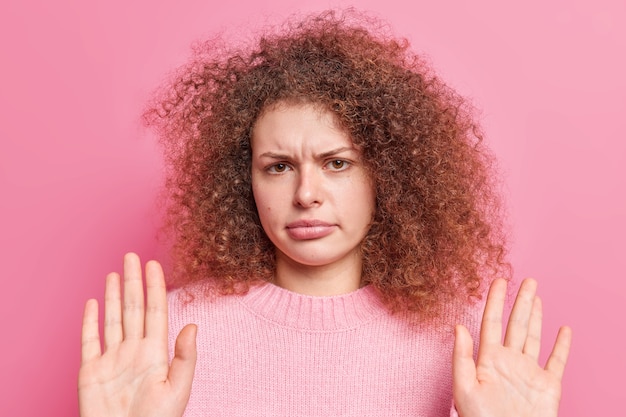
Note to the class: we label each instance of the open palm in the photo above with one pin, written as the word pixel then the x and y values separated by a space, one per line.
pixel 132 377
pixel 506 379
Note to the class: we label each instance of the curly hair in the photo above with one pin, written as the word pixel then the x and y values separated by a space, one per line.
pixel 437 231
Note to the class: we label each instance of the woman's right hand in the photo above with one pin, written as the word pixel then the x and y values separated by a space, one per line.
pixel 132 377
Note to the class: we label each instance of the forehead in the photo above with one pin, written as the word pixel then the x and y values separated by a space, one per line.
pixel 303 124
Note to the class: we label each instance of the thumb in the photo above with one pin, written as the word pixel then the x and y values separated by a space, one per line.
pixel 463 366
pixel 184 361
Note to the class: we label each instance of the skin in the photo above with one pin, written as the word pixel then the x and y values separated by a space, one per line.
pixel 314 198
pixel 307 173
pixel 507 379
pixel 132 377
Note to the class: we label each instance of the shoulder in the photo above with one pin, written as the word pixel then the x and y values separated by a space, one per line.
pixel 197 295
pixel 195 302
pixel 186 295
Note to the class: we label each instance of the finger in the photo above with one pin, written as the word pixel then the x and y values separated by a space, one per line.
pixel 90 336
pixel 133 315
pixel 491 327
pixel 558 358
pixel 532 346
pixel 113 333
pixel 463 366
pixel 184 361
pixel 517 328
pixel 156 303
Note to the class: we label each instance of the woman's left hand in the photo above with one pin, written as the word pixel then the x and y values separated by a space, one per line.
pixel 506 379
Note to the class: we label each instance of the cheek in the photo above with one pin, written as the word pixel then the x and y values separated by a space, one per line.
pixel 265 204
pixel 261 197
pixel 358 206
pixel 364 195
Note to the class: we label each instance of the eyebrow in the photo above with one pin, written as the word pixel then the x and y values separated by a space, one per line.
pixel 322 155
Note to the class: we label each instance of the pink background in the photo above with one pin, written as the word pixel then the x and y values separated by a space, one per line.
pixel 79 176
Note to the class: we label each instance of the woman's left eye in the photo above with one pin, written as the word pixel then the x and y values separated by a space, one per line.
pixel 338 165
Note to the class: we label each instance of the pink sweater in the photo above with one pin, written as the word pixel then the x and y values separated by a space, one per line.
pixel 273 352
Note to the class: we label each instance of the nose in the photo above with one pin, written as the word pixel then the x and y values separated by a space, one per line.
pixel 309 188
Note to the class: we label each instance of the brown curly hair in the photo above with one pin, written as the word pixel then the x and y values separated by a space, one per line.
pixel 437 230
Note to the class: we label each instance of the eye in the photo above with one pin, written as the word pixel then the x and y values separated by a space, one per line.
pixel 337 165
pixel 278 168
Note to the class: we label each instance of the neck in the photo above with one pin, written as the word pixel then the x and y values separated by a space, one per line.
pixel 338 278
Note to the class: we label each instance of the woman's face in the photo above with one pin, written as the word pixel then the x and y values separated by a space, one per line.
pixel 314 197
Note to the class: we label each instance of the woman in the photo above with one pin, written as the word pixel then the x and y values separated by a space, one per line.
pixel 335 218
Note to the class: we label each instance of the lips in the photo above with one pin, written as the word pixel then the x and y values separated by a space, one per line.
pixel 309 229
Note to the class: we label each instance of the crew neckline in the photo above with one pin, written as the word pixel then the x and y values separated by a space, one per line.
pixel 314 313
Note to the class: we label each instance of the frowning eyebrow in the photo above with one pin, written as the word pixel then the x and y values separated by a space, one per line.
pixel 322 155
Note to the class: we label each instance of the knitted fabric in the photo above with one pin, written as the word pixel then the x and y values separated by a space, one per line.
pixel 273 352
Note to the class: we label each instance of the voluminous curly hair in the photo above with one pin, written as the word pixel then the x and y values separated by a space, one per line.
pixel 437 233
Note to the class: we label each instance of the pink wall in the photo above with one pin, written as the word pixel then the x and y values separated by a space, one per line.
pixel 79 176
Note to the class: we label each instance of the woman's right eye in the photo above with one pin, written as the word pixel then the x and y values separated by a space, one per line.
pixel 278 168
